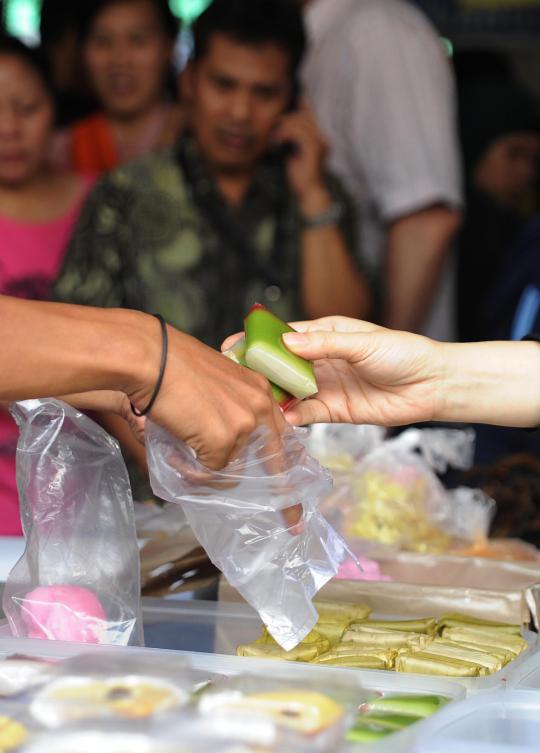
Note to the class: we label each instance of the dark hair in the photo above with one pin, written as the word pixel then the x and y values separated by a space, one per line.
pixel 168 21
pixel 33 57
pixel 60 16
pixel 253 22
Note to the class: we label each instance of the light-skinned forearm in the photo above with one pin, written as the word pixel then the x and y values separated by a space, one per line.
pixel 490 382
pixel 417 248
pixel 331 282
pixel 92 349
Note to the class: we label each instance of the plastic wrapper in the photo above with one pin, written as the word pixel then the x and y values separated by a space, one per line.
pixel 237 515
pixel 394 497
pixel 317 717
pixel 116 686
pixel 78 579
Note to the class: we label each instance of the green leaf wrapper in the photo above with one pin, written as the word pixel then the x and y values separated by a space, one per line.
pixel 267 354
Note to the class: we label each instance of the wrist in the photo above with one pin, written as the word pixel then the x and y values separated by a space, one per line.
pixel 314 200
pixel 133 364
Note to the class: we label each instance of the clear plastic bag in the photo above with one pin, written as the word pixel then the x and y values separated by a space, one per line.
pixel 78 579
pixel 393 495
pixel 237 516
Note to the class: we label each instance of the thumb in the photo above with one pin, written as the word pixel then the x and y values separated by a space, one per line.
pixel 317 345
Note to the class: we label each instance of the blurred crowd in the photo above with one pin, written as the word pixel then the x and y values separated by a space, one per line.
pixel 318 156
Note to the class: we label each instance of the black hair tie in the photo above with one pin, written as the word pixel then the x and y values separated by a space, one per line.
pixel 165 347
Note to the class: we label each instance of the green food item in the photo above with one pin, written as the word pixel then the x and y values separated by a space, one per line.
pixel 237 353
pixel 390 720
pixel 427 625
pixel 463 620
pixel 368 733
pixel 415 705
pixel 267 354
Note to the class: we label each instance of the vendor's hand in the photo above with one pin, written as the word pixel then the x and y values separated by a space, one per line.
pixel 366 374
pixel 209 402
pixel 108 401
pixel 305 164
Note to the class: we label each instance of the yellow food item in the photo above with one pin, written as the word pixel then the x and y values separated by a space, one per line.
pixel 513 643
pixel 393 509
pixel 427 625
pixel 333 631
pixel 341 611
pixel 427 664
pixel 12 734
pixel 360 661
pixel 128 696
pixel 463 620
pixel 503 655
pixel 457 651
pixel 306 712
pixel 302 652
pixel 385 638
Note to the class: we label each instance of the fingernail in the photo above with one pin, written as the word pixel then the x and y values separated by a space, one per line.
pixel 295 338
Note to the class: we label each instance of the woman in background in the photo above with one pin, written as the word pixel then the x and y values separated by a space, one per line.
pixel 38 209
pixel 127 47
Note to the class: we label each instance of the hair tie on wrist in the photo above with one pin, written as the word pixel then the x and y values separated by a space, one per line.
pixel 165 345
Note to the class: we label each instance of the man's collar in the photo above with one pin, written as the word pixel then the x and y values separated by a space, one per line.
pixel 267 182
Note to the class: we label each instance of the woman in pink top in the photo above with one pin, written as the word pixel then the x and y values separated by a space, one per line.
pixel 38 208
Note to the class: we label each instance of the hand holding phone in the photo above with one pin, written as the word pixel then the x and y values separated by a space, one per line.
pixel 306 150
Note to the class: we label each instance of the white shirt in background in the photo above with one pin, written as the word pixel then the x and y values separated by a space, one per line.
pixel 382 88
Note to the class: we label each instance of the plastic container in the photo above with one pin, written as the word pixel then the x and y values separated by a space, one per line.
pixel 367 681
pixel 526 676
pixel 488 723
pixel 219 627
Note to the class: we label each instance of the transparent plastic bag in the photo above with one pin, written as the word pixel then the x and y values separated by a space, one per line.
pixel 393 495
pixel 78 579
pixel 236 514
pixel 341 446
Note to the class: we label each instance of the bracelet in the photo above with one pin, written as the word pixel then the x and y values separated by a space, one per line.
pixel 330 216
pixel 165 346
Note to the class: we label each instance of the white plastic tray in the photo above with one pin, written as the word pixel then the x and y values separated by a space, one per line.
pixel 314 676
pixel 488 723
pixel 232 623
pixel 526 676
pixel 218 628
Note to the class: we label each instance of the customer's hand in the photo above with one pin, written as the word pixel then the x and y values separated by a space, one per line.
pixel 208 401
pixel 366 374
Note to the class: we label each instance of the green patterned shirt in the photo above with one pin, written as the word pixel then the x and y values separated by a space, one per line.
pixel 145 241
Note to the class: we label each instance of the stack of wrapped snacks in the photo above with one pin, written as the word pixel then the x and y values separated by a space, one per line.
pixel 455 646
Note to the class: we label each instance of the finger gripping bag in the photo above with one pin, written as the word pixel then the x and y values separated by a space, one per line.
pixel 236 514
pixel 78 579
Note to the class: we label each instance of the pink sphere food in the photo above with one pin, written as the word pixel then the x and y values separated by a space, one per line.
pixel 63 613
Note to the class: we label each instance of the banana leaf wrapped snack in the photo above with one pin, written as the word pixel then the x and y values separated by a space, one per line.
pixel 463 620
pixel 456 646
pixel 428 664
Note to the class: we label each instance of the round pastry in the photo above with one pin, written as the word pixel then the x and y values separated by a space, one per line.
pixel 128 696
pixel 306 712
pixel 12 734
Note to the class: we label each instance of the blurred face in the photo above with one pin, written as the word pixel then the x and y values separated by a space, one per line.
pixel 127 54
pixel 26 121
pixel 508 169
pixel 237 94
